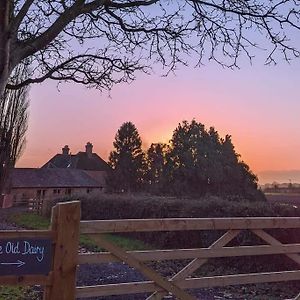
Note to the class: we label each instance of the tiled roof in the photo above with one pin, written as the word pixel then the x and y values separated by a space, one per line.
pixel 81 160
pixel 51 177
pixel 99 176
pixel 93 162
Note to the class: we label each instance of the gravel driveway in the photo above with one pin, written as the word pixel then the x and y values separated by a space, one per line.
pixel 117 273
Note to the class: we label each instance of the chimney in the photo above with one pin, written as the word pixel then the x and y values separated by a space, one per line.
pixel 65 150
pixel 89 149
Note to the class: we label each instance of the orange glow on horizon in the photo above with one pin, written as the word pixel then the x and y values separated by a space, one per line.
pixel 258 107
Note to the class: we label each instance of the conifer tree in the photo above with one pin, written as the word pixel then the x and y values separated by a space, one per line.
pixel 156 162
pixel 127 160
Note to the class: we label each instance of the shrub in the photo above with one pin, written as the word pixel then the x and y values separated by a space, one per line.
pixel 144 207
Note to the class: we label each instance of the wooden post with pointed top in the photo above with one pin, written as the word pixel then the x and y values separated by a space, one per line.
pixel 65 222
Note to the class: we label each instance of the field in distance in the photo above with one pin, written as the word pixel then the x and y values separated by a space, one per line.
pixel 289 198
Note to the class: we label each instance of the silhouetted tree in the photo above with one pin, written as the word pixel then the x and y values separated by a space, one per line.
pixel 214 162
pixel 155 176
pixel 13 124
pixel 102 42
pixel 127 160
pixel 238 178
pixel 188 144
pixel 200 162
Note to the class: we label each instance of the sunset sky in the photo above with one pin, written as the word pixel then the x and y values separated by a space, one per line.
pixel 258 105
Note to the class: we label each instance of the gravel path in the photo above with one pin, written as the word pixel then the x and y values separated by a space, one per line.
pixel 117 273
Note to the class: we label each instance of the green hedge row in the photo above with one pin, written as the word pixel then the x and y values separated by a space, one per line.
pixel 118 206
pixel 143 207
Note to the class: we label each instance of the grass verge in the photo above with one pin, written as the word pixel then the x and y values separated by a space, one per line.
pixel 34 221
pixel 18 293
pixel 31 221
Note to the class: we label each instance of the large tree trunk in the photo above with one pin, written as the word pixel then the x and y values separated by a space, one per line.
pixel 5 67
pixel 3 82
pixel 4 75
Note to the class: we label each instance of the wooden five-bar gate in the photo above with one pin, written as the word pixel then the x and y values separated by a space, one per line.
pixel 59 282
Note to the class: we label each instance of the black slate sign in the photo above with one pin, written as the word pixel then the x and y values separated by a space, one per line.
pixel 25 256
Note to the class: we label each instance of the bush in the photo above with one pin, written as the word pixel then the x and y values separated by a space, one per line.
pixel 143 207
pixel 116 206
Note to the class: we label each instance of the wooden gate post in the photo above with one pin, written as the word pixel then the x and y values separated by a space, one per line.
pixel 65 222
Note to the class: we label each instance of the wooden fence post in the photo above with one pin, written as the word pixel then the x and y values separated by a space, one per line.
pixel 65 222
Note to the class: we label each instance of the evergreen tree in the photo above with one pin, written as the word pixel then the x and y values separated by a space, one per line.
pixel 214 161
pixel 156 162
pixel 200 162
pixel 127 160
pixel 232 171
pixel 238 177
pixel 187 159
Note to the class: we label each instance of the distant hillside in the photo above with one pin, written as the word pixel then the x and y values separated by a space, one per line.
pixel 292 176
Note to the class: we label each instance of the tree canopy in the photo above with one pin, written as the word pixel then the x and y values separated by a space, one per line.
pixel 156 175
pixel 196 162
pixel 127 160
pixel 202 162
pixel 102 42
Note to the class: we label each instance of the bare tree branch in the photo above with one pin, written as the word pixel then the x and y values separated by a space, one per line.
pixel 79 69
pixel 21 15
pixel 101 38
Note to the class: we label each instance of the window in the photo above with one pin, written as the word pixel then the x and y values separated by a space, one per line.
pixel 41 193
pixel 68 191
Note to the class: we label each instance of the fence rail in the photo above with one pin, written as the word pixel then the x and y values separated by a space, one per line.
pixel 181 224
pixel 60 281
pixel 36 205
pixel 191 283
pixel 32 204
pixel 177 285
pixel 158 255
